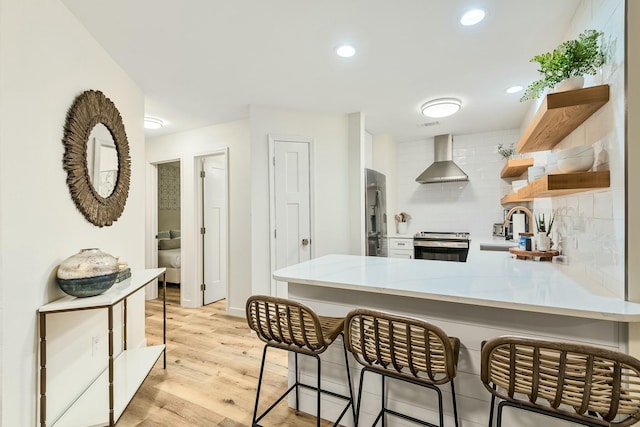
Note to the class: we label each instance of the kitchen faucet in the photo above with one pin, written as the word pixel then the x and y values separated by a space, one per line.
pixel 519 208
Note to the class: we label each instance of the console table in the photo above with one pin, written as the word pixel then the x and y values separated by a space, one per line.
pixel 125 372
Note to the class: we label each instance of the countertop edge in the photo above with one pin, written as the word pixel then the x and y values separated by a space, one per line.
pixel 625 312
pixel 472 301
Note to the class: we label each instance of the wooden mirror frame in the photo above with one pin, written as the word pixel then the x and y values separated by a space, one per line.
pixel 88 109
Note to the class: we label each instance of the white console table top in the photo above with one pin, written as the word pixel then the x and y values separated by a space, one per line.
pixel 117 292
pixel 490 279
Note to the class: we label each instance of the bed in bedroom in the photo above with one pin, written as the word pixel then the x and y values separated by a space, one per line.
pixel 169 254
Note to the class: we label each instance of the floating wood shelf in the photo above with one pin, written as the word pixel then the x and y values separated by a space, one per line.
pixel 559 114
pixel 516 167
pixel 514 198
pixel 559 185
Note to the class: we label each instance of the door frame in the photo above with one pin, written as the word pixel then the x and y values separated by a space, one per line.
pixel 273 140
pixel 151 261
pixel 198 209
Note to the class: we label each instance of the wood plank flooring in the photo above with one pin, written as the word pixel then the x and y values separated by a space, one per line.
pixel 213 363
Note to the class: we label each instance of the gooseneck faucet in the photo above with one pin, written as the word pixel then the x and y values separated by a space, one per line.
pixel 516 209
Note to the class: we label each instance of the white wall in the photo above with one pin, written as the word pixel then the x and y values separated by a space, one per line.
pixel 46 59
pixel 330 181
pixel 187 146
pixel 472 206
pixel 591 225
pixel 360 157
pixel 384 160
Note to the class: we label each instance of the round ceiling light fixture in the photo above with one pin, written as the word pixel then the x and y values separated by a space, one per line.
pixel 346 51
pixel 441 107
pixel 514 89
pixel 153 123
pixel 472 17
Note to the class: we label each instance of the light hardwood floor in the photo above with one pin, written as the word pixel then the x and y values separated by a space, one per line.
pixel 212 371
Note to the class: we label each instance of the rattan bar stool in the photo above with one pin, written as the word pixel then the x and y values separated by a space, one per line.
pixel 583 384
pixel 405 349
pixel 294 327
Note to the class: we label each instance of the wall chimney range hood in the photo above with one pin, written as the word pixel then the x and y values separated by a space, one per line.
pixel 443 169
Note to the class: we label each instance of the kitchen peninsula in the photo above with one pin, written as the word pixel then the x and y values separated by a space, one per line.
pixel 491 294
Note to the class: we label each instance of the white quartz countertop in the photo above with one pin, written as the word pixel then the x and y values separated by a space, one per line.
pixel 490 279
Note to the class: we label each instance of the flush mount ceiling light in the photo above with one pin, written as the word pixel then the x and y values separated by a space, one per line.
pixel 472 17
pixel 441 107
pixel 514 89
pixel 153 123
pixel 346 51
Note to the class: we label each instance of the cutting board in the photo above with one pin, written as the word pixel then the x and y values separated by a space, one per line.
pixel 543 255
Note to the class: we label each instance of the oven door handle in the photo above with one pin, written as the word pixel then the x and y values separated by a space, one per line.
pixel 435 244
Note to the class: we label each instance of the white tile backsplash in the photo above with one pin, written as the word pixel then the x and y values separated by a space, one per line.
pixel 603 205
pixel 471 206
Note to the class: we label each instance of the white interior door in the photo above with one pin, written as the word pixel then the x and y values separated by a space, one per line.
pixel 214 224
pixel 291 200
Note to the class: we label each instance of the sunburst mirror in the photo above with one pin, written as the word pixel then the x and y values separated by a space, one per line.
pixel 96 158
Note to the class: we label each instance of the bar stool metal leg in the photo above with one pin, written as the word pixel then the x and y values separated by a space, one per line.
pixel 455 406
pixel 255 408
pixel 295 355
pixel 384 407
pixel 319 371
pixel 346 364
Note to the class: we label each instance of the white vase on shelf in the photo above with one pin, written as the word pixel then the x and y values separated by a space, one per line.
pixel 572 83
pixel 402 227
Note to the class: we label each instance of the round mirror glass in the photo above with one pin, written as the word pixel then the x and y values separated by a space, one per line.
pixel 102 160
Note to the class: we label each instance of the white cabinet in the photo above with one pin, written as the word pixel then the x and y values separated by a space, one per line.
pixel 401 247
pixel 125 372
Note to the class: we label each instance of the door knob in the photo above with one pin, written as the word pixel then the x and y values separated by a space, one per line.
pixel 305 242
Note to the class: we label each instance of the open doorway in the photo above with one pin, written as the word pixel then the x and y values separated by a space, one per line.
pixel 169 229
pixel 213 219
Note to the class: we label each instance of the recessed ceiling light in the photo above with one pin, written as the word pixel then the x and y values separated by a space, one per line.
pixel 153 123
pixel 441 107
pixel 346 51
pixel 514 89
pixel 472 17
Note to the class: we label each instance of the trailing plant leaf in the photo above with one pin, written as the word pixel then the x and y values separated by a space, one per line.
pixel 506 152
pixel 583 56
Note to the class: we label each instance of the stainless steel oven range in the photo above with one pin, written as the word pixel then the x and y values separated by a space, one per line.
pixel 442 246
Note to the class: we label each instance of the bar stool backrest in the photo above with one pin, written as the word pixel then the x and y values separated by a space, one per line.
pixel 409 347
pixel 565 378
pixel 286 324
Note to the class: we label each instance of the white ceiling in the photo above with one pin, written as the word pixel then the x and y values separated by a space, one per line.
pixel 201 62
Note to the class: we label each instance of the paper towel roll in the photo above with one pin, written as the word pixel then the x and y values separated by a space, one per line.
pixel 518 225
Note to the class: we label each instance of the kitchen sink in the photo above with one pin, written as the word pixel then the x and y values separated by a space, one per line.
pixel 498 246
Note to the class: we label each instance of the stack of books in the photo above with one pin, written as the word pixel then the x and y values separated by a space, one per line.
pixel 124 272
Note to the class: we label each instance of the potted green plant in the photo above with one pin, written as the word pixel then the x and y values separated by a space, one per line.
pixel 506 152
pixel 573 58
pixel 543 238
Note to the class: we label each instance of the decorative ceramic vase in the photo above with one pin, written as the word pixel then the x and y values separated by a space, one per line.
pixel 572 83
pixel 543 242
pixel 402 227
pixel 88 273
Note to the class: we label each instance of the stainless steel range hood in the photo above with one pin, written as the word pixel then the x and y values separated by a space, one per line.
pixel 443 169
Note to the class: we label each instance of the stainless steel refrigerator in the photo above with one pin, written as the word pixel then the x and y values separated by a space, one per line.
pixel 376 213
